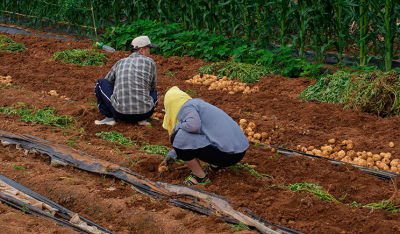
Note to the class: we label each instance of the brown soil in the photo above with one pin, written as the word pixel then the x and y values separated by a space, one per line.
pixel 124 210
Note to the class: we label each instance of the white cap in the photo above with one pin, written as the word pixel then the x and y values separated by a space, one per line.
pixel 142 41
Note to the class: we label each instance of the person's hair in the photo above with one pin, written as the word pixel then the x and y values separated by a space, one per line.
pixel 137 49
pixel 133 49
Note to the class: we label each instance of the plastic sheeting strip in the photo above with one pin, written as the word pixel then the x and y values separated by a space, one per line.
pixel 200 201
pixel 23 199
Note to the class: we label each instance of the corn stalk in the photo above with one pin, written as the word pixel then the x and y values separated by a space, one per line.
pixel 363 29
pixel 343 15
pixel 302 19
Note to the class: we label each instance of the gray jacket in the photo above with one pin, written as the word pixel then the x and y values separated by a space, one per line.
pixel 202 124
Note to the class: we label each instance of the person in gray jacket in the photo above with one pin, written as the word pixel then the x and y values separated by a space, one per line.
pixel 201 131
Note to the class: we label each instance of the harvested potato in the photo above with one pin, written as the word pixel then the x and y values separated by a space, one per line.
pixel 376 157
pixel 257 136
pixel 264 135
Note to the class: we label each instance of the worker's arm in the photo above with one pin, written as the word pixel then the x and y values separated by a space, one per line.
pixel 110 77
pixel 190 121
pixel 172 154
pixel 154 78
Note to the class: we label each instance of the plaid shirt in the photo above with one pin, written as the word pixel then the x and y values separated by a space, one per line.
pixel 133 78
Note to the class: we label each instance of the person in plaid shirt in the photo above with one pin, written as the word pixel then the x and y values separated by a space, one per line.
pixel 128 91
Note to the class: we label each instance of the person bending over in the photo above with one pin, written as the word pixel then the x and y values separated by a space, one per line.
pixel 201 131
pixel 128 91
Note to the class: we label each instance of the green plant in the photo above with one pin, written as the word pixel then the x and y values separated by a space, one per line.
pixel 311 188
pixel 44 116
pixel 105 175
pixel 7 44
pixel 116 137
pixel 252 171
pixel 92 102
pixel 191 92
pixel 155 149
pixel 132 161
pixel 237 227
pixel 386 205
pixel 25 208
pixel 81 57
pixel 71 142
pixel 19 167
pixel 242 72
pixel 375 92
pixel 168 73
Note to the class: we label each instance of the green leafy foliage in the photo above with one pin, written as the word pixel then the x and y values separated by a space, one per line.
pixel 311 188
pixel 155 149
pixel 44 116
pixel 116 137
pixel 81 57
pixel 238 227
pixel 174 40
pixel 243 72
pixel 252 171
pixel 19 167
pixel 387 205
pixel 375 92
pixel 7 44
pixel 242 25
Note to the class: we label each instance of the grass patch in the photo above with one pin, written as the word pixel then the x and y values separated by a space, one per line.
pixel 386 205
pixel 155 149
pixel 116 137
pixel 311 188
pixel 168 73
pixel 19 167
pixel 246 73
pixel 375 92
pixel 7 44
pixel 252 171
pixel 81 57
pixel 237 227
pixel 44 116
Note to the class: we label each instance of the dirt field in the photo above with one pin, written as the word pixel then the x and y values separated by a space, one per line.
pixel 289 121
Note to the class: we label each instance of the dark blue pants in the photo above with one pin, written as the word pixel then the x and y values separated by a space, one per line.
pixel 103 91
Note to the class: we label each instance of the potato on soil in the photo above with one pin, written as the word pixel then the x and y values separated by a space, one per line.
pixel 252 125
pixel 376 157
pixel 394 162
pixel 264 135
pixel 349 146
pixel 257 136
pixel 162 168
pixel 391 144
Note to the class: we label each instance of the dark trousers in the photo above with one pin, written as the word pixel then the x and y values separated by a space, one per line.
pixel 210 154
pixel 103 91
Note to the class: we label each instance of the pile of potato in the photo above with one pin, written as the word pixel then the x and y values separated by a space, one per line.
pixel 224 84
pixel 5 80
pixel 55 94
pixel 344 152
pixel 249 129
pixel 159 116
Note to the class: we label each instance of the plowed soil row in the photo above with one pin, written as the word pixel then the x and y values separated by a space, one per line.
pixel 116 206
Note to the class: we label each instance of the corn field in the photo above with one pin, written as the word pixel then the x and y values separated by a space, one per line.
pixel 367 27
